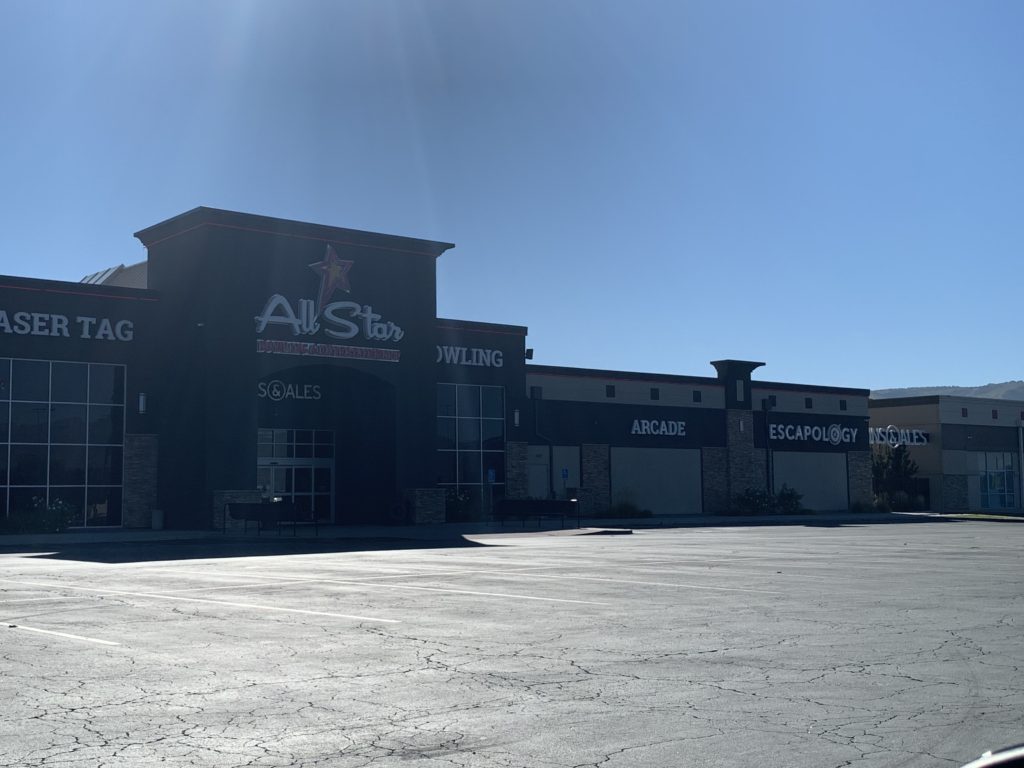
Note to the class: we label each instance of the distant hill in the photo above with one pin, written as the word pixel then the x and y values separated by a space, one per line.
pixel 1007 390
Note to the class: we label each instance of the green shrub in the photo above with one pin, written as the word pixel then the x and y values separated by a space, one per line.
pixel 462 507
pixel 40 517
pixel 756 502
pixel 752 502
pixel 625 509
pixel 787 501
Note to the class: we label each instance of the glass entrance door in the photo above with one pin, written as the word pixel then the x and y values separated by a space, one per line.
pixel 297 466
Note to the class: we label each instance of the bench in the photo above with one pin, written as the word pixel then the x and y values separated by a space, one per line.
pixel 528 509
pixel 270 515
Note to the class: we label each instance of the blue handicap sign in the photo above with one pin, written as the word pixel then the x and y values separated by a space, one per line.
pixel 565 473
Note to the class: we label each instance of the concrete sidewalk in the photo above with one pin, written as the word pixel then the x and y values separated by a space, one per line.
pixel 454 531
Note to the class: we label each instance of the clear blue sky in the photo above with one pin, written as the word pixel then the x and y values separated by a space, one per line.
pixel 831 187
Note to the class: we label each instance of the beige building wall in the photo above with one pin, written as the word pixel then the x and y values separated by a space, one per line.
pixel 592 389
pixel 1008 413
pixel 788 401
pixel 953 475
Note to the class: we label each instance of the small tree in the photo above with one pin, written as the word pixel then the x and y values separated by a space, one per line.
pixel 892 474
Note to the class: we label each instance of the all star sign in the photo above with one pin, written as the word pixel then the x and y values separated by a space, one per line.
pixel 341 320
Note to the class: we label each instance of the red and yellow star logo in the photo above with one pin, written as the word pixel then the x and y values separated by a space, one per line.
pixel 333 275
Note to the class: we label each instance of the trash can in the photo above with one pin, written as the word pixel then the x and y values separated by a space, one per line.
pixel 158 519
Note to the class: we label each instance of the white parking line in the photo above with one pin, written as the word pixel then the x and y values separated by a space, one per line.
pixel 478 560
pixel 642 583
pixel 157 596
pixel 428 572
pixel 36 599
pixel 62 634
pixel 270 580
pixel 366 581
pixel 222 586
pixel 460 591
pixel 531 575
pixel 374 585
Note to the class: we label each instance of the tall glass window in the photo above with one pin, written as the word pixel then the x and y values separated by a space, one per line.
pixel 62 439
pixel 297 466
pixel 471 443
pixel 998 480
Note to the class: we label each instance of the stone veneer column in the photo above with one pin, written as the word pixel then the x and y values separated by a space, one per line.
pixel 220 498
pixel 141 453
pixel 427 505
pixel 954 493
pixel 595 493
pixel 516 477
pixel 858 475
pixel 748 466
pixel 714 470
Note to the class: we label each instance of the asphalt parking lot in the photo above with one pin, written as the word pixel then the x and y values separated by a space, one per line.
pixel 867 645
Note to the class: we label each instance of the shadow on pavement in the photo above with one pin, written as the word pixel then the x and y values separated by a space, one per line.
pixel 901 520
pixel 855 523
pixel 142 550
pixel 151 551
pixel 809 520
